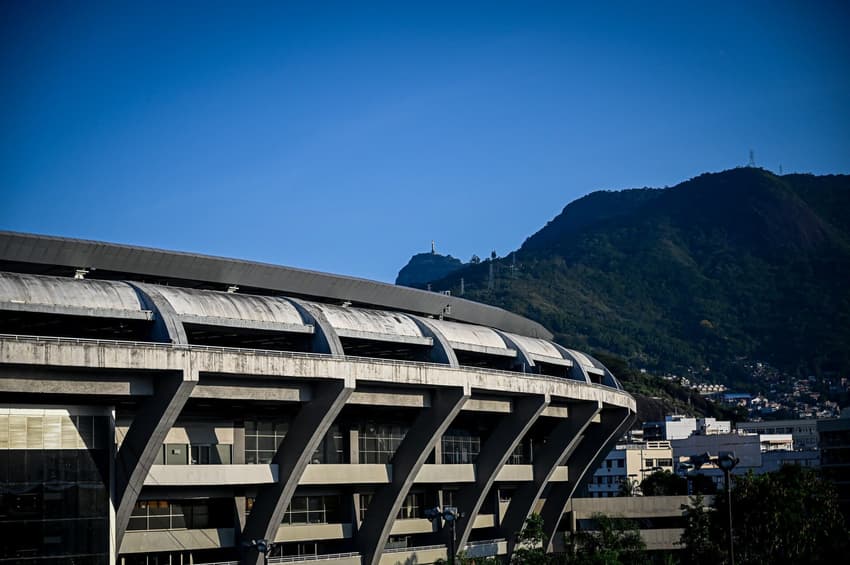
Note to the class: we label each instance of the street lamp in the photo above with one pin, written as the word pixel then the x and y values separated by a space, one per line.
pixel 262 546
pixel 449 515
pixel 727 461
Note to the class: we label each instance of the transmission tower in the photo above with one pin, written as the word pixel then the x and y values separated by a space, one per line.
pixel 752 162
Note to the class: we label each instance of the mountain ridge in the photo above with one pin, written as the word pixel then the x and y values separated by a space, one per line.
pixel 740 264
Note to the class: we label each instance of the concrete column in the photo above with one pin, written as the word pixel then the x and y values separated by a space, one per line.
pixel 239 443
pixel 144 438
pixel 306 431
pixel 417 445
pixel 494 453
pixel 559 445
pixel 156 415
pixel 598 440
pixel 354 446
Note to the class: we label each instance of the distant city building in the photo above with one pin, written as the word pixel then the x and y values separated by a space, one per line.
pixel 835 456
pixel 759 453
pixel 804 432
pixel 633 462
pixel 681 427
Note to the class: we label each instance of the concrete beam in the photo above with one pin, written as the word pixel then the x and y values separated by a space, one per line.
pixel 595 444
pixel 426 431
pixel 559 445
pixel 494 453
pixel 104 354
pixel 309 427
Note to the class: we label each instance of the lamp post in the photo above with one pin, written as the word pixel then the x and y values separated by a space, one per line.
pixel 449 515
pixel 727 461
pixel 262 546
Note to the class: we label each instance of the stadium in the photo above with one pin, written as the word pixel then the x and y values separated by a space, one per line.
pixel 159 407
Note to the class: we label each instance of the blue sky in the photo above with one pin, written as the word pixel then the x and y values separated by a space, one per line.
pixel 344 137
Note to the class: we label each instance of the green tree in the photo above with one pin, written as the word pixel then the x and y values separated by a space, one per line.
pixel 629 487
pixel 664 483
pixel 790 516
pixel 615 541
pixel 531 543
pixel 700 545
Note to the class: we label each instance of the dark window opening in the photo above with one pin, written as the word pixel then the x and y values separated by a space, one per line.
pixel 552 370
pixel 485 361
pixel 385 349
pixel 220 336
pixel 60 325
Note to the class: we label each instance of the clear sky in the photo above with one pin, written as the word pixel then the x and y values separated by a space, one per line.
pixel 345 137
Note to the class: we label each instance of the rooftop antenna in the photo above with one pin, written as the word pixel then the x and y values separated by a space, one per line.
pixel 752 162
pixel 433 247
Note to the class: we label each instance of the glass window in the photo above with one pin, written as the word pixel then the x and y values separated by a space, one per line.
pixel 262 439
pixel 412 506
pixel 378 442
pixel 460 447
pixel 365 499
pixel 317 509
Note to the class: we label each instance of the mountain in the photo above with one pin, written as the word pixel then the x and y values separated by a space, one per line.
pixel 703 276
pixel 424 268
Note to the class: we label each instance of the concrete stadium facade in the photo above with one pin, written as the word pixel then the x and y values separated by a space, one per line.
pixel 162 407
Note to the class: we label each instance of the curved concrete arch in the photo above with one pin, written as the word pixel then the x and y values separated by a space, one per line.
pixel 595 445
pixel 608 378
pixel 157 414
pixel 167 326
pixel 62 295
pixel 494 453
pixel 523 357
pixel 442 351
pixel 427 430
pixel 325 338
pixel 577 372
pixel 560 444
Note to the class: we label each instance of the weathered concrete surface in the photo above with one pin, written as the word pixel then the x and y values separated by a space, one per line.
pixel 50 352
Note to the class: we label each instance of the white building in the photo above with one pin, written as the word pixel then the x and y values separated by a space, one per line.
pixel 680 427
pixel 632 461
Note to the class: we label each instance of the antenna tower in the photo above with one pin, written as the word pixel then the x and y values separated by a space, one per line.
pixel 752 162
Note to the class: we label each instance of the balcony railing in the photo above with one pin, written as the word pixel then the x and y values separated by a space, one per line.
pixel 325 557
